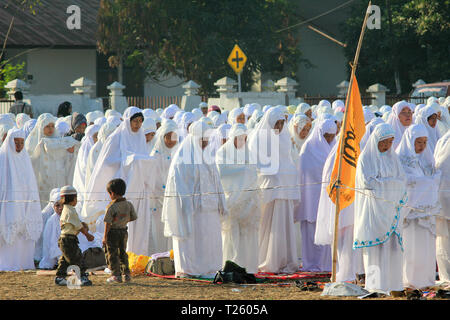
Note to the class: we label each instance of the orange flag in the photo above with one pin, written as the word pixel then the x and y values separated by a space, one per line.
pixel 353 133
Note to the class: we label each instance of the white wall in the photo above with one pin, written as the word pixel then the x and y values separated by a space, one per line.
pixel 54 70
pixel 170 86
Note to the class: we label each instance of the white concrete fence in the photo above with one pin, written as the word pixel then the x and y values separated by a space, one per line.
pixel 281 92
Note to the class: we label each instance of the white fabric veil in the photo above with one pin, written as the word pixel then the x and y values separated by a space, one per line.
pixel 381 189
pixel 20 216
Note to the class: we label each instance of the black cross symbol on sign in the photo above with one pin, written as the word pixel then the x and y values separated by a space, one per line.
pixel 237 59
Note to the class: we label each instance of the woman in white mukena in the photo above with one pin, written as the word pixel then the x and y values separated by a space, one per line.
pixel 166 144
pixel 400 118
pixel 310 165
pixel 419 224
pixel 239 182
pixel 381 191
pixel 442 158
pixel 124 155
pixel 270 148
pixel 20 217
pixel 53 157
pixel 193 206
pixel 428 118
pixel 79 175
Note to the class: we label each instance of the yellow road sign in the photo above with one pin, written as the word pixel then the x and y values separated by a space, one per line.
pixel 237 59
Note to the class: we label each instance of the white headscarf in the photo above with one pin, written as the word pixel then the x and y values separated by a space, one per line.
pixel 300 120
pixel 423 179
pixel 271 153
pixel 395 123
pixel 100 121
pixel 160 146
pixel 28 127
pixel 20 216
pixel 62 127
pixel 381 186
pixel 369 129
pixel 170 111
pixel 38 132
pixel 21 118
pixel 150 113
pixel 236 112
pixel 219 134
pixel 193 185
pixel 186 120
pixel 433 134
pixel 197 113
pixel 239 181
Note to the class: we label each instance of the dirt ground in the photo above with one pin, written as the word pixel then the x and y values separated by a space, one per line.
pixel 27 285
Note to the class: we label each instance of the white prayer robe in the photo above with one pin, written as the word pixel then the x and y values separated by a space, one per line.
pixel 53 165
pixel 79 176
pixel 442 158
pixel 349 261
pixel 377 229
pixel 193 205
pixel 20 218
pixel 123 155
pixel 162 158
pixel 239 182
pixel 50 236
pixel 309 167
pixel 419 224
pixel 279 183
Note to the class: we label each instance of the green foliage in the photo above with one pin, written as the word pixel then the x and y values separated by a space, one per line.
pixel 192 39
pixel 413 41
pixel 9 72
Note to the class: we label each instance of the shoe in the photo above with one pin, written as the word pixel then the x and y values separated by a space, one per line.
pixel 85 281
pixel 127 278
pixel 60 281
pixel 114 279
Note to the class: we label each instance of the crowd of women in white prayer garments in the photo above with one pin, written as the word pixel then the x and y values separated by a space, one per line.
pixel 196 190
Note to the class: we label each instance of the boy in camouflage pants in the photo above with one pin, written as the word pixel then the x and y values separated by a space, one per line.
pixel 118 213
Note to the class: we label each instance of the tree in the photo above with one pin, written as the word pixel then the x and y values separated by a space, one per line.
pixel 411 44
pixel 192 39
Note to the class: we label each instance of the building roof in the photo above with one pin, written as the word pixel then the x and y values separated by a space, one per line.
pixel 48 26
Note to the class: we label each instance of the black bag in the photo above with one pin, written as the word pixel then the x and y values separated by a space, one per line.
pixel 232 273
pixel 94 258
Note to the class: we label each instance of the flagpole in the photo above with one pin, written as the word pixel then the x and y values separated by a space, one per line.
pixel 341 151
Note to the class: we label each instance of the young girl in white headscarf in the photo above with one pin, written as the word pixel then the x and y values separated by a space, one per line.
pixel 239 182
pixel 166 144
pixel 381 186
pixel 20 218
pixel 419 224
pixel 428 117
pixel 270 147
pixel 442 158
pixel 149 128
pixel 53 157
pixel 310 165
pixel 193 206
